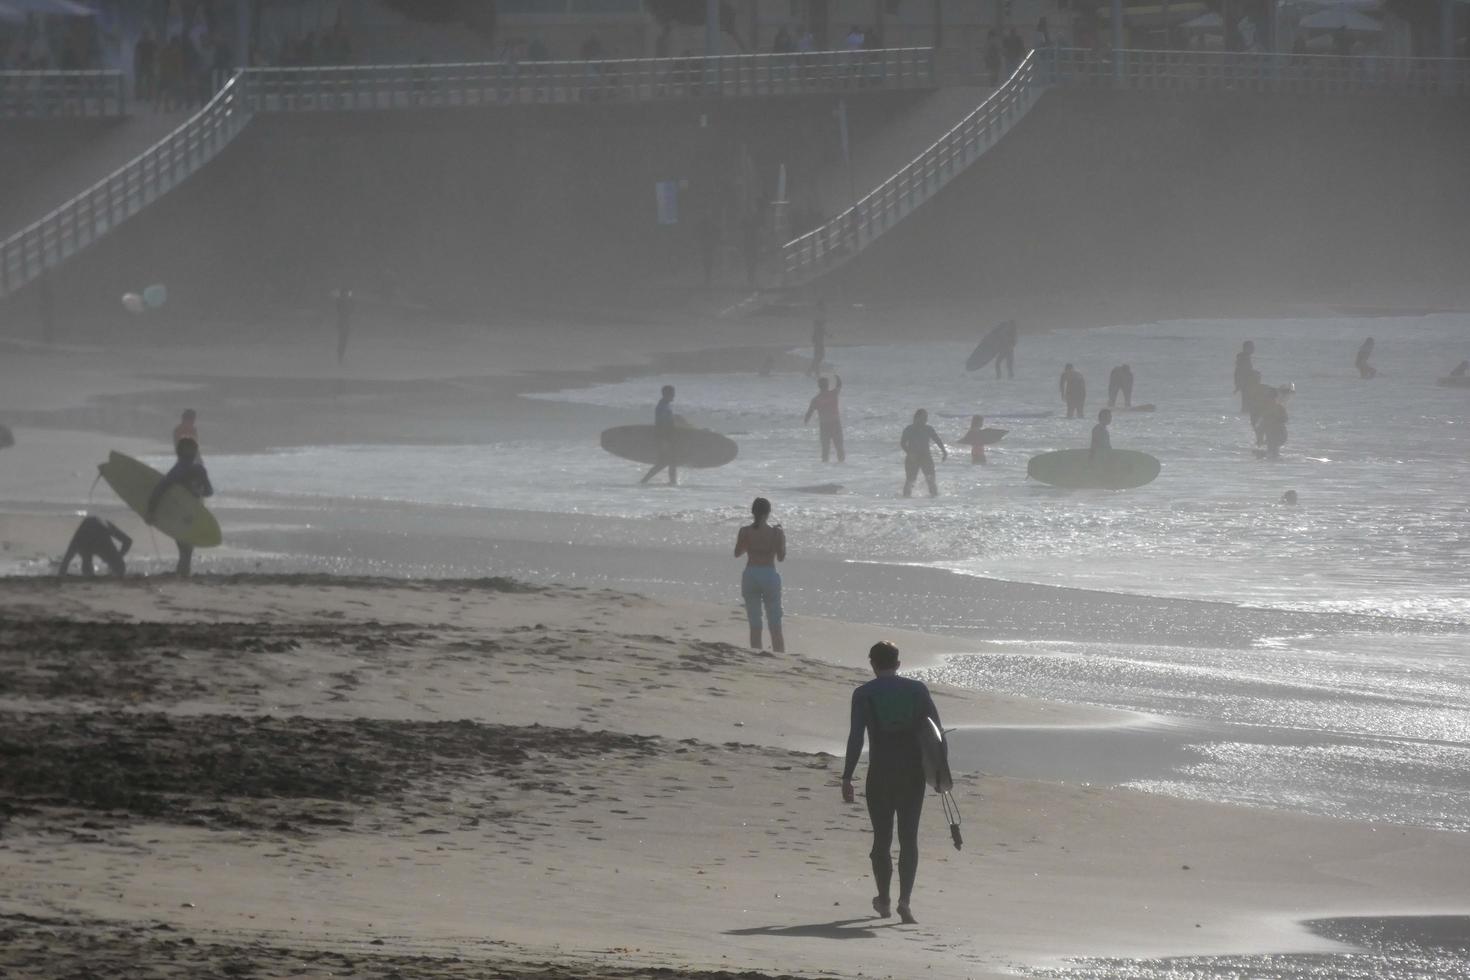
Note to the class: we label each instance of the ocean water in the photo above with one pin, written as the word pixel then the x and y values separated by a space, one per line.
pixel 1364 721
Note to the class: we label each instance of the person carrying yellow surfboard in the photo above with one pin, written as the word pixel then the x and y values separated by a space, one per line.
pixel 190 474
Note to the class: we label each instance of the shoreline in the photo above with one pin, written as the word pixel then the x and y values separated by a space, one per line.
pixel 337 670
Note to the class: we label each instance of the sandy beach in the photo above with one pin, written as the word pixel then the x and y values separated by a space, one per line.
pixel 246 775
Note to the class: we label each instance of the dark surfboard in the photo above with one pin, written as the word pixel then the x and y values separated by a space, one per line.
pixel 992 345
pixel 697 448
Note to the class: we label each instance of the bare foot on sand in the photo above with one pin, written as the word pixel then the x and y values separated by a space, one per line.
pixel 880 905
pixel 906 916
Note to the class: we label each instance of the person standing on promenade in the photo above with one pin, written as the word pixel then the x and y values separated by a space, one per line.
pixel 664 426
pixel 763 544
pixel 916 456
pixel 829 421
pixel 889 710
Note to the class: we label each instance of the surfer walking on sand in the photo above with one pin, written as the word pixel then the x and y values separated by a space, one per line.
pixel 763 544
pixel 1365 370
pixel 889 710
pixel 664 431
pixel 819 338
pixel 94 539
pixel 190 474
pixel 1243 372
pixel 1100 438
pixel 1120 382
pixel 829 420
pixel 916 456
pixel 1073 389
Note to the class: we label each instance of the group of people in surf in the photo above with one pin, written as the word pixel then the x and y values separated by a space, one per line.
pixel 96 539
pixel 1265 404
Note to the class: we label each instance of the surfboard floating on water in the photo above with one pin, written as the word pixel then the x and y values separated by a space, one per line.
pixel 1110 469
pixel 180 514
pixel 696 448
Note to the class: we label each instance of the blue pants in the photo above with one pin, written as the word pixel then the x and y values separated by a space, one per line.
pixel 761 585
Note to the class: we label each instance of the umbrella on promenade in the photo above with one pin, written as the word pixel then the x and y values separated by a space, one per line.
pixel 1340 19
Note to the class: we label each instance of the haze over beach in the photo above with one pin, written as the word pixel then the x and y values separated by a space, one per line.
pixel 416 419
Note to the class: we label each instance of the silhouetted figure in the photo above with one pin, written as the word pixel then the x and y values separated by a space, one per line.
pixel 186 429
pixel 1461 370
pixel 763 545
pixel 1243 369
pixel 1365 370
pixel 1015 51
pixel 819 338
pixel 1007 357
pixel 344 322
pixel 1101 440
pixel 1289 498
pixel 1120 382
pixel 1272 427
pixel 829 420
pixel 916 456
pixel 190 474
pixel 1073 389
pixel 977 448
pixel 665 426
pixel 1256 396
pixel 94 538
pixel 889 710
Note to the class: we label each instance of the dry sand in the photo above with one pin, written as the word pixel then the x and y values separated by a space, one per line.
pixel 286 776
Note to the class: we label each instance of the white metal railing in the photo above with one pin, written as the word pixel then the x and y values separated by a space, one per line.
pixel 825 248
pixel 48 94
pixel 554 82
pixel 1259 71
pixel 123 193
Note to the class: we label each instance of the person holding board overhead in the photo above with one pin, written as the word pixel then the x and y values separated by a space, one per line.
pixel 762 544
pixel 829 421
pixel 889 710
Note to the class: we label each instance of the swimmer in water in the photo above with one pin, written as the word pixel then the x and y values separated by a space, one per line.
pixel 1289 498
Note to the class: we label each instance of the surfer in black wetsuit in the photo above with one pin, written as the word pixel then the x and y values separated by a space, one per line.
pixel 1007 356
pixel 916 456
pixel 663 424
pixel 1365 370
pixel 1100 437
pixel 1074 391
pixel 190 474
pixel 94 538
pixel 1120 382
pixel 889 710
pixel 1243 370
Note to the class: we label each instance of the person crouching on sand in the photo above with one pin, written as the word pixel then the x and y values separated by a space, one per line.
pixel 763 544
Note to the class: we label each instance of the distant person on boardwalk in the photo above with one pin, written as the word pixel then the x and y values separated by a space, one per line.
pixel 1365 370
pixel 94 538
pixel 1073 389
pixel 888 710
pixel 186 429
pixel 1272 427
pixel 916 456
pixel 819 338
pixel 190 474
pixel 829 420
pixel 973 437
pixel 1243 369
pixel 1101 440
pixel 1120 382
pixel 665 430
pixel 763 544
pixel 344 322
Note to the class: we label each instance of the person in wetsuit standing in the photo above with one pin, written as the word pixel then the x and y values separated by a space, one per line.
pixel 190 474
pixel 1120 382
pixel 916 456
pixel 1073 389
pixel 664 431
pixel 889 710
pixel 1243 371
pixel 1101 440
pixel 94 539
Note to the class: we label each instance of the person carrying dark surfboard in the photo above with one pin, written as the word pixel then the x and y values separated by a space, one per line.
pixel 665 427
pixel 1100 438
pixel 889 711
pixel 190 474
pixel 916 456
pixel 94 538
pixel 829 421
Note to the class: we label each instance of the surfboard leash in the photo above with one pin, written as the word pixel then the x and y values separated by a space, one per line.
pixel 952 815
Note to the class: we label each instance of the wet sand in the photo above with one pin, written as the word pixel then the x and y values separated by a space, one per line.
pixel 268 775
